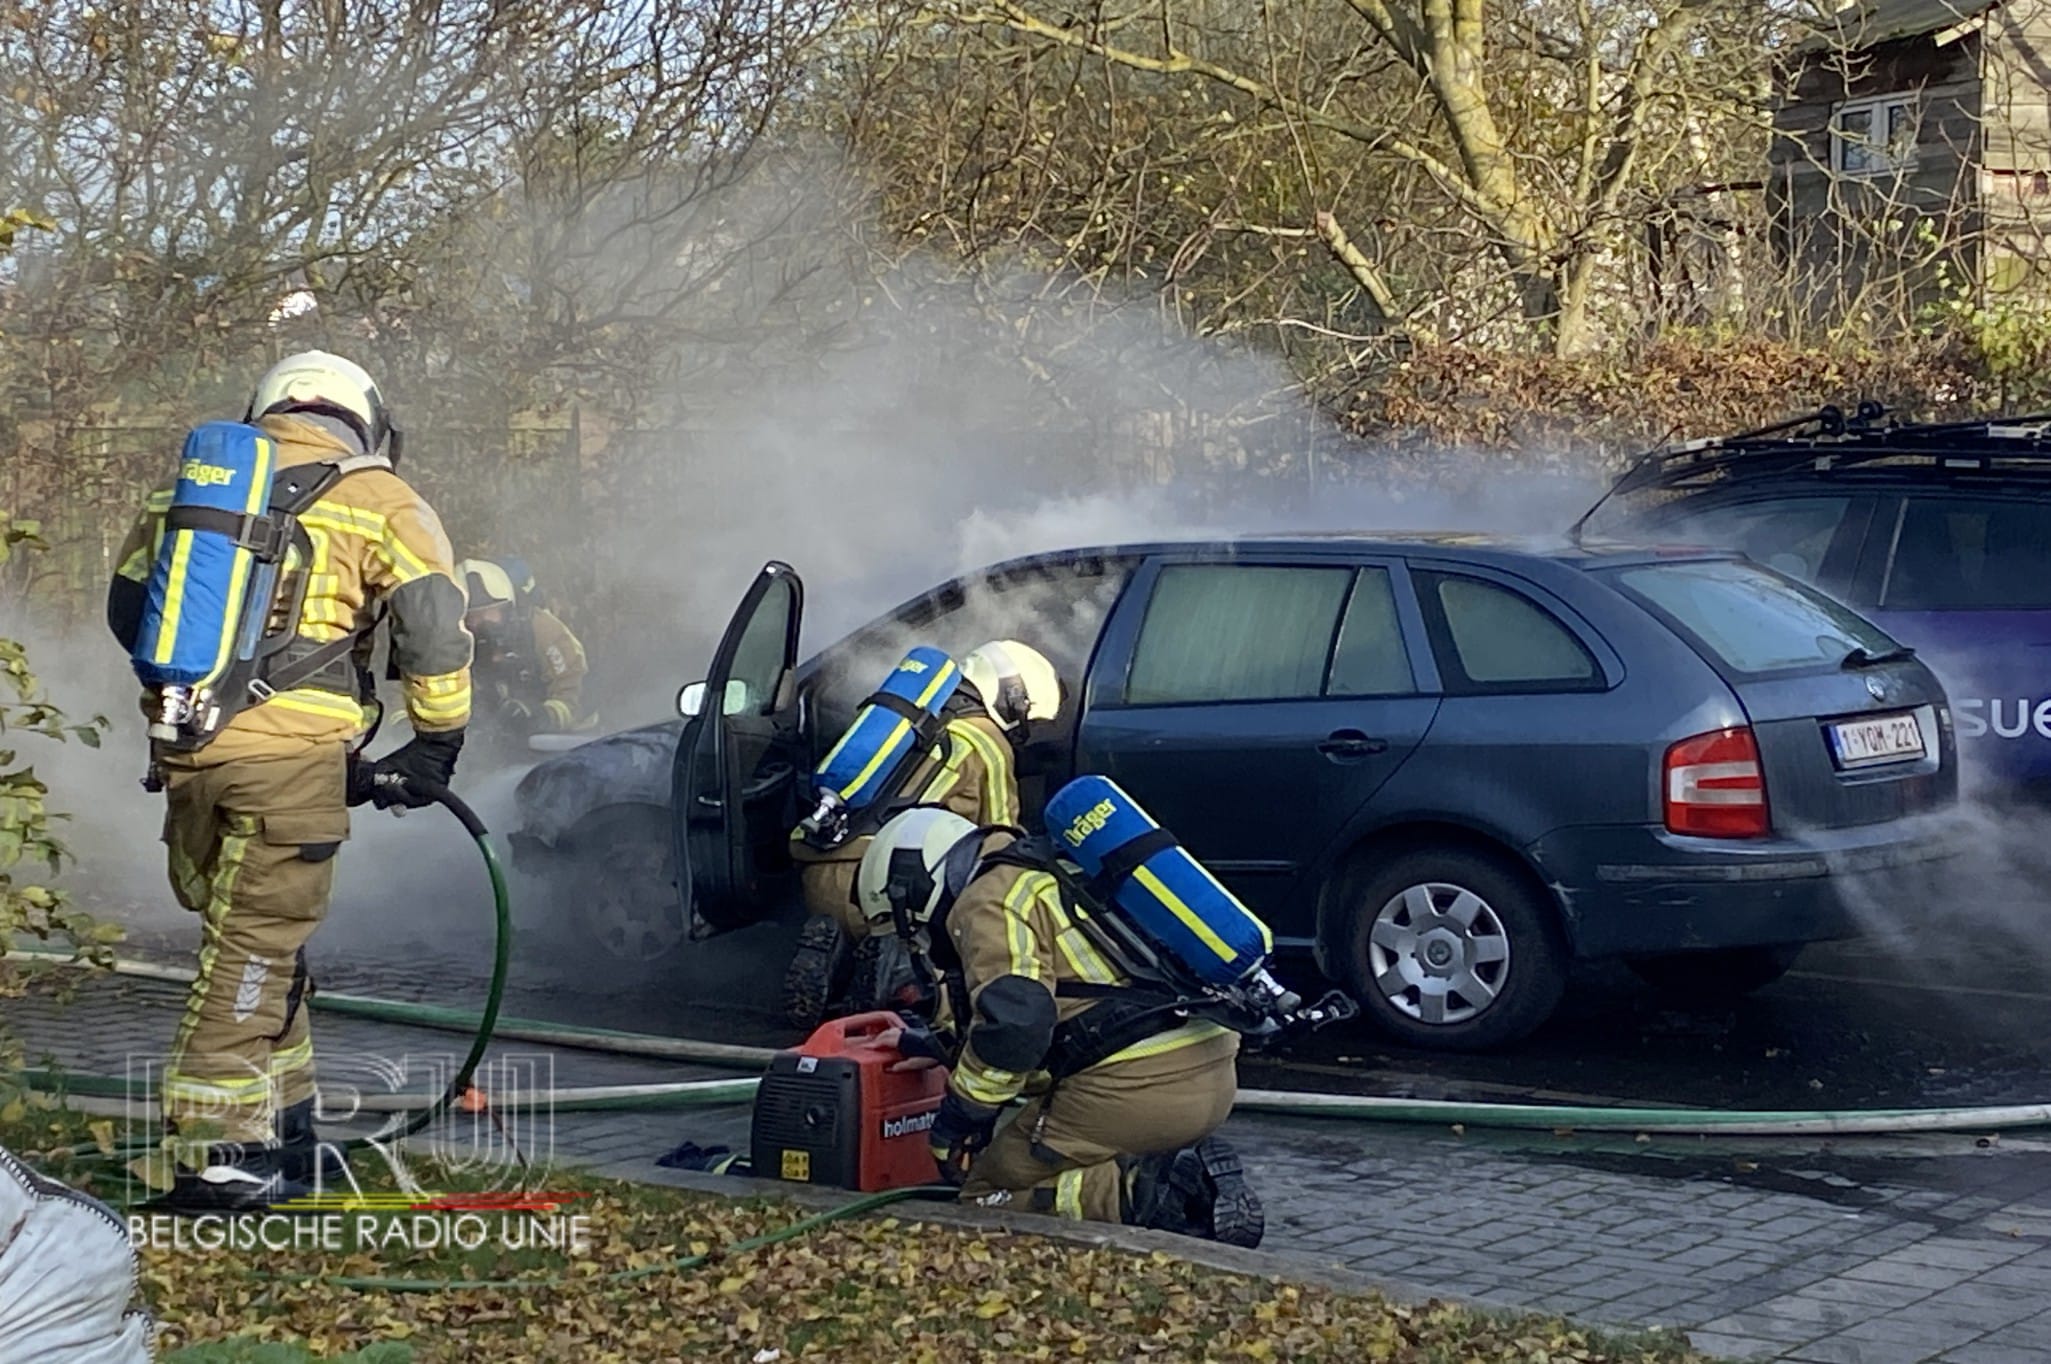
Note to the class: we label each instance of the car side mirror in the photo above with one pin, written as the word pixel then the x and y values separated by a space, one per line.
pixel 691 700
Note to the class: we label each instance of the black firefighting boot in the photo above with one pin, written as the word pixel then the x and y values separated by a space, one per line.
pixel 237 1177
pixel 1200 1190
pixel 303 1157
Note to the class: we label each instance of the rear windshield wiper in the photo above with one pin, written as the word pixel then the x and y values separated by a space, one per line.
pixel 1862 657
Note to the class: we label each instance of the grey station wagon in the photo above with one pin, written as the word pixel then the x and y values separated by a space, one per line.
pixel 1444 767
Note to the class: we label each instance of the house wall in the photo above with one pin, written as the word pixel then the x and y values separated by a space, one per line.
pixel 2015 167
pixel 1891 242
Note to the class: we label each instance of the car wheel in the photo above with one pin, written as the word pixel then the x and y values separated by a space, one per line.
pixel 1707 977
pixel 621 880
pixel 818 974
pixel 1450 949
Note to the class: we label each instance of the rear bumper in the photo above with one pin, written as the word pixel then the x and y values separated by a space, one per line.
pixel 1640 889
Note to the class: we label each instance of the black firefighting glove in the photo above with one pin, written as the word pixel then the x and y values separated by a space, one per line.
pixel 918 1041
pixel 425 760
pixel 960 1130
pixel 518 717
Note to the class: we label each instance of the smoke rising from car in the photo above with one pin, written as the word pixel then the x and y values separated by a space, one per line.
pixel 944 425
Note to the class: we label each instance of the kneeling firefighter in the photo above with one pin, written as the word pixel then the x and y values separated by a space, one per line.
pixel 1115 986
pixel 530 667
pixel 935 733
pixel 247 595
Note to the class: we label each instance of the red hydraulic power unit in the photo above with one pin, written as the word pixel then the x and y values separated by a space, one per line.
pixel 833 1112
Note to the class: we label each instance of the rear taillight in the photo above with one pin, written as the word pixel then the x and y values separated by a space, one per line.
pixel 1715 787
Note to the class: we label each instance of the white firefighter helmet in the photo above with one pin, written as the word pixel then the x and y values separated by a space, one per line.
pixel 486 583
pixel 916 860
pixel 315 381
pixel 1015 681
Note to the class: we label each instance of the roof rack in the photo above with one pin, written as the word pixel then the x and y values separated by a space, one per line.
pixel 1827 439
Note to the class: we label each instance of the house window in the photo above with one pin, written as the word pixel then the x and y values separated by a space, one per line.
pixel 1873 136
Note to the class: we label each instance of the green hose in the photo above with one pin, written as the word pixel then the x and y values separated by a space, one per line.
pixel 854 1208
pixel 502 956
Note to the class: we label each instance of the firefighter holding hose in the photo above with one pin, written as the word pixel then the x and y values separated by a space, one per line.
pixel 284 542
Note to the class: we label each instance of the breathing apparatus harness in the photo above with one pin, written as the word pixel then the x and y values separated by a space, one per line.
pixel 1160 994
pixel 1163 994
pixel 269 654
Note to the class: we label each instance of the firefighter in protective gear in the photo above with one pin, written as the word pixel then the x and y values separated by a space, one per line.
pixel 257 813
pixel 1125 1100
pixel 971 771
pixel 530 667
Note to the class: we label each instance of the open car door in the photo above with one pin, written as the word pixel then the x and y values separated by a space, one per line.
pixel 734 785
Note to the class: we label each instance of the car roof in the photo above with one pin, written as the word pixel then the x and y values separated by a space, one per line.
pixel 1504 551
pixel 1828 448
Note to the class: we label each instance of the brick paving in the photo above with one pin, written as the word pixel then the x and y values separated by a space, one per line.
pixel 1870 1252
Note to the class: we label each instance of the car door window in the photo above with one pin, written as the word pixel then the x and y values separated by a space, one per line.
pixel 760 653
pixel 1370 659
pixel 1971 554
pixel 1791 535
pixel 1236 632
pixel 1493 639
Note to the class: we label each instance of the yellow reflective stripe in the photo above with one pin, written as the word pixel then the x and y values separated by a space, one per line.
pixel 1084 959
pixel 443 699
pixel 1018 933
pixel 231 619
pixel 136 567
pixel 1068 1195
pixel 1188 1035
pixel 948 775
pixel 160 501
pixel 339 518
pixel 295 1057
pixel 997 786
pixel 407 565
pixel 174 597
pixel 311 701
pixel 986 1085
pixel 897 732
pixel 227 865
pixel 1183 912
pixel 560 712
pixel 243 1092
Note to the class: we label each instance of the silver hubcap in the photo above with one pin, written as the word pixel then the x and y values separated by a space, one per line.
pixel 1439 953
pixel 630 909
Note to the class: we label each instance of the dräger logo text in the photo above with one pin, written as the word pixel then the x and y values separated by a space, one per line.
pixel 1088 822
pixel 910 1123
pixel 2004 718
pixel 206 475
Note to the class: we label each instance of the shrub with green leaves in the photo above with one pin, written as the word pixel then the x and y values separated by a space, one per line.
pixel 30 851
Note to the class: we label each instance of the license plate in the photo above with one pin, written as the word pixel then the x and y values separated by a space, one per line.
pixel 1882 739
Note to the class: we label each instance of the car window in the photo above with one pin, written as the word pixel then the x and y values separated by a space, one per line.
pixel 1370 659
pixel 1501 640
pixel 1752 620
pixel 759 654
pixel 1236 632
pixel 1790 535
pixel 1058 608
pixel 1971 554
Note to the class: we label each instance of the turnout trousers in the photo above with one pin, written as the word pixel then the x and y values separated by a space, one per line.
pixel 252 841
pixel 1061 1152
